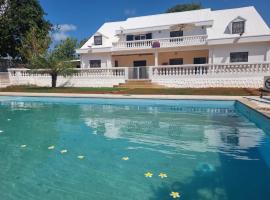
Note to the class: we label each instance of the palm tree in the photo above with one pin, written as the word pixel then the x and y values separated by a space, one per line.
pixel 49 64
pixel 55 62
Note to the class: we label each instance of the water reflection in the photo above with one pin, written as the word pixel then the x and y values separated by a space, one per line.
pixel 184 129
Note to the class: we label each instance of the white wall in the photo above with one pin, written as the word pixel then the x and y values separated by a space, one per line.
pixel 105 60
pixel 255 81
pixel 258 52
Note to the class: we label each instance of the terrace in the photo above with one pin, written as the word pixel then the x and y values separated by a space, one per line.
pixel 161 42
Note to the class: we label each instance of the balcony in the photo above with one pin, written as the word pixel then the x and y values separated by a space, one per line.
pixel 162 42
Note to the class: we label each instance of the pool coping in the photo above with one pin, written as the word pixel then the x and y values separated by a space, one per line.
pixel 122 96
pixel 243 99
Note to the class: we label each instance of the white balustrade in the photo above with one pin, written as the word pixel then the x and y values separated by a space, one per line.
pixel 249 75
pixel 244 75
pixel 204 70
pixel 162 42
pixel 95 77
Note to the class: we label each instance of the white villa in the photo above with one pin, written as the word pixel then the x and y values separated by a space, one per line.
pixel 200 48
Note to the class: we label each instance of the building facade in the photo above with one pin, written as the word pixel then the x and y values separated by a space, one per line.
pixel 193 37
pixel 200 48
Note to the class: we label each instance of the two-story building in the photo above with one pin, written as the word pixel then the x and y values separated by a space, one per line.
pixel 184 38
pixel 200 48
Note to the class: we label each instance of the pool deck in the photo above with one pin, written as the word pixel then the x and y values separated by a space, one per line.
pixel 261 105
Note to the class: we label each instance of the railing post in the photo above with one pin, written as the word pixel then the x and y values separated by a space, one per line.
pixel 156 58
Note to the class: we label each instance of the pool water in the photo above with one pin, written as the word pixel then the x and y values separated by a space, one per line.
pixel 209 150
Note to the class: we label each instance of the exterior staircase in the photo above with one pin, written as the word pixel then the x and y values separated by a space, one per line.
pixel 4 80
pixel 140 83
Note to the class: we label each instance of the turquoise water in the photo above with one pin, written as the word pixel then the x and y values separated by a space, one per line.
pixel 210 150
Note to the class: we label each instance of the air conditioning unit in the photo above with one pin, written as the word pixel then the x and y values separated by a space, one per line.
pixel 266 83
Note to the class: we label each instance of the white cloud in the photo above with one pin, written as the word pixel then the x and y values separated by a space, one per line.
pixel 67 27
pixel 130 12
pixel 61 31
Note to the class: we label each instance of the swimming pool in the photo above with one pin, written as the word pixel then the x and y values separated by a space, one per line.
pixel 100 149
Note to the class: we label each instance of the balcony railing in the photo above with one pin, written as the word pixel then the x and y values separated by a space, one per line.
pixel 210 70
pixel 162 42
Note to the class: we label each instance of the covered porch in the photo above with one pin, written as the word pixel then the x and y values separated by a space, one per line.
pixel 139 64
pixel 157 58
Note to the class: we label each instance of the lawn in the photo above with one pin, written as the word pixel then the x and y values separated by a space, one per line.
pixel 162 91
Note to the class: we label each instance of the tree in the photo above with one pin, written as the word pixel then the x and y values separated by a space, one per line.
pixel 34 44
pixel 55 62
pixel 66 49
pixel 184 7
pixel 17 18
pixel 82 42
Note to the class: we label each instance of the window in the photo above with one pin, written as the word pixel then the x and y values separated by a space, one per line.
pixel 238 27
pixel 176 61
pixel 147 36
pixel 200 60
pixel 98 40
pixel 95 63
pixel 176 33
pixel 129 37
pixel 142 37
pixel 116 63
pixel 137 37
pixel 239 57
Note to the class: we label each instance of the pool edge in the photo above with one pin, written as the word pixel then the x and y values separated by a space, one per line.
pixel 123 96
pixel 240 99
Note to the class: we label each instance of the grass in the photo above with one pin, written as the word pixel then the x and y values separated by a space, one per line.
pixel 162 91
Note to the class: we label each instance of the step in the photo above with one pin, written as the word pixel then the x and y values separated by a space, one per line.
pixel 139 84
pixel 138 81
pixel 135 83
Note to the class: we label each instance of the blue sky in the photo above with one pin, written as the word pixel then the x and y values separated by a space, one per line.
pixel 81 18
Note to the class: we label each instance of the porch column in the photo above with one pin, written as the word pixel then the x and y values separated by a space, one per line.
pixel 156 58
pixel 211 56
pixel 267 55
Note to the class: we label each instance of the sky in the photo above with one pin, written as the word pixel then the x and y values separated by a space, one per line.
pixel 81 18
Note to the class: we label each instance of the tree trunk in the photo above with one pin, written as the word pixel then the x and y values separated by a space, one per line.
pixel 54 79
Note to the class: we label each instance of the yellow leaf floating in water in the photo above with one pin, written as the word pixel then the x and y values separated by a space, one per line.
pixel 80 157
pixel 23 145
pixel 125 158
pixel 175 195
pixel 63 151
pixel 51 147
pixel 148 175
pixel 162 175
